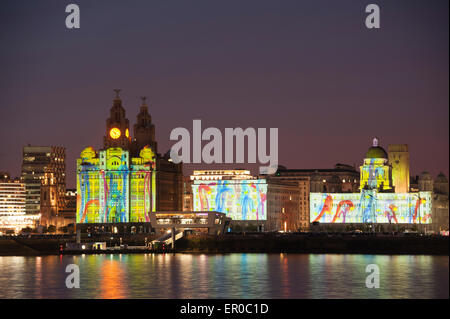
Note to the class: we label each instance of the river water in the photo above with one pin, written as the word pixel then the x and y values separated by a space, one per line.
pixel 225 276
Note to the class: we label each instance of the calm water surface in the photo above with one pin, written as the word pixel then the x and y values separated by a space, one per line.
pixel 225 276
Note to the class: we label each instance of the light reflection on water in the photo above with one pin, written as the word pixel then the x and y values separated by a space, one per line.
pixel 225 276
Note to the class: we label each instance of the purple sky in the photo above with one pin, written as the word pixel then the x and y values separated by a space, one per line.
pixel 310 68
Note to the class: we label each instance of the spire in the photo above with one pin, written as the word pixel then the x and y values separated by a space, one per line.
pixel 117 101
pixel 117 93
pixel 375 142
pixel 144 107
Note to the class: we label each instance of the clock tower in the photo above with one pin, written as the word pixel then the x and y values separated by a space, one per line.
pixel 117 126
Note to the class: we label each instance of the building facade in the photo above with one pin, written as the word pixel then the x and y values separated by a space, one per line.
pixel 39 161
pixel 440 199
pixel 399 160
pixel 341 178
pixel 187 195
pixel 251 203
pixel 377 202
pixel 12 206
pixel 56 209
pixel 126 180
pixel 376 172
pixel 440 204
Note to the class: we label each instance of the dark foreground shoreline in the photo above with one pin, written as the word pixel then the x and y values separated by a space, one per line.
pixel 248 243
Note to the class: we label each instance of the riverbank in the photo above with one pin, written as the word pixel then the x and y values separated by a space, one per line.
pixel 248 243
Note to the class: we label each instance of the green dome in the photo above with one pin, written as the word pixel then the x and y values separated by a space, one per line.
pixel 376 152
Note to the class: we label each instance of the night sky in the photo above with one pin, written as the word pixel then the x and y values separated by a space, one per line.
pixel 310 68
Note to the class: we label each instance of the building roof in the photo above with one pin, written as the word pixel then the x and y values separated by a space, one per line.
pixel 376 152
pixel 317 170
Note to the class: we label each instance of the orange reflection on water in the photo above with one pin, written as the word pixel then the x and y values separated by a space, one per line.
pixel 113 280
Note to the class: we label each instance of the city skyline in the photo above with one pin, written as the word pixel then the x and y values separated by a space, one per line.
pixel 281 67
pixel 224 158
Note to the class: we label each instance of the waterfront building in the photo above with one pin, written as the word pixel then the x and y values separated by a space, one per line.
pixel 441 204
pixel 187 195
pixel 341 178
pixel 37 162
pixel 251 203
pixel 440 200
pixel 398 156
pixel 376 203
pixel 12 206
pixel 56 209
pixel 127 180
pixel 208 222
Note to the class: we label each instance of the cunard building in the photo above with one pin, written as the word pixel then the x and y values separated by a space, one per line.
pixel 127 180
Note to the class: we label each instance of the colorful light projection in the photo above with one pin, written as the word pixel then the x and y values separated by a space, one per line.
pixel 111 189
pixel 375 173
pixel 238 199
pixel 369 206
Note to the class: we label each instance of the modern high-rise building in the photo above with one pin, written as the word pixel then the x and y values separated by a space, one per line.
pixel 12 196
pixel 39 161
pixel 398 156
pixel 12 206
pixel 126 180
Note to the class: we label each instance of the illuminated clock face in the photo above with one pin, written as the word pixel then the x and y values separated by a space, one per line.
pixel 114 133
pixel 127 133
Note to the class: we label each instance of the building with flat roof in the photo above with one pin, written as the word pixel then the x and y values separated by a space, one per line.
pixel 37 162
pixel 12 206
pixel 251 203
pixel 208 222
pixel 341 178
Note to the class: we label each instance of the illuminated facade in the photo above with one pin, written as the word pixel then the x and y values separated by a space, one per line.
pixel 56 210
pixel 238 199
pixel 376 202
pixel 115 188
pixel 399 160
pixel 342 178
pixel 251 203
pixel 127 180
pixel 369 206
pixel 37 162
pixel 12 206
pixel 376 173
pixel 234 192
pixel 212 223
